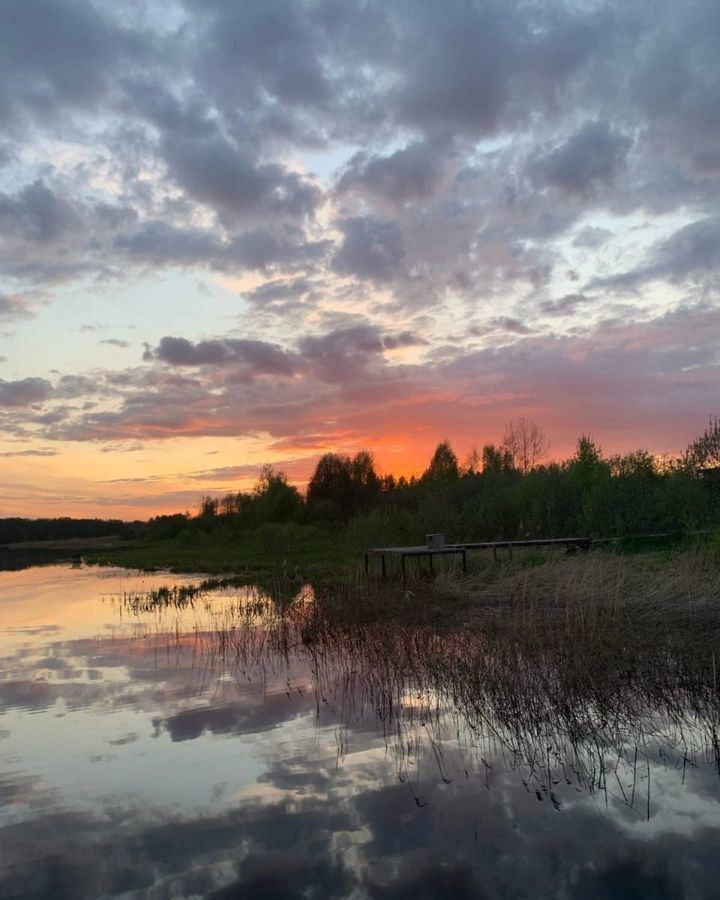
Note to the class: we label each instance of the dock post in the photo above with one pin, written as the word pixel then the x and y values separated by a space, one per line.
pixel 382 563
pixel 367 564
pixel 402 563
pixel 464 557
pixel 430 558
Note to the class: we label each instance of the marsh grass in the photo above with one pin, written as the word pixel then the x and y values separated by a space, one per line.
pixel 580 671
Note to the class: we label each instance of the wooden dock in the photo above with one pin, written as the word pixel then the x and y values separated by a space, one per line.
pixel 570 543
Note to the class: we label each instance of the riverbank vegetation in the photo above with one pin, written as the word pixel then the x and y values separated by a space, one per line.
pixel 502 492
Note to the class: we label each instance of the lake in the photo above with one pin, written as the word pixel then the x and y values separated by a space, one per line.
pixel 156 744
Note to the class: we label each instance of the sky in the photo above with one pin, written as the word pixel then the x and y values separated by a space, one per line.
pixel 244 231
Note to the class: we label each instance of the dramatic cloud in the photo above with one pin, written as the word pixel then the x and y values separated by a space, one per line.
pixel 60 55
pixel 342 223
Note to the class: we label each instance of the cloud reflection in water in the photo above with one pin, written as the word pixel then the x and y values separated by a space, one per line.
pixel 153 754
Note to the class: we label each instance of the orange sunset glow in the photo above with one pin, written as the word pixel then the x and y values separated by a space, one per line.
pixel 235 235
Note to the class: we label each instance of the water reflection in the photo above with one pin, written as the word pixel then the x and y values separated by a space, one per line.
pixel 230 744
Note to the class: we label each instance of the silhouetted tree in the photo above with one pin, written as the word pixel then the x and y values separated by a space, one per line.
pixel 637 464
pixel 443 465
pixel 365 481
pixel 274 499
pixel 473 462
pixel 704 451
pixel 525 443
pixel 208 507
pixel 495 459
pixel 329 492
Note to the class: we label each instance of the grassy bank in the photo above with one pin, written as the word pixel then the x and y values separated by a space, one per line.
pixel 302 551
pixel 640 599
pixel 315 552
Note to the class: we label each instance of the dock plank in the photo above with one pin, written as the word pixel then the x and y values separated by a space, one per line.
pixel 419 550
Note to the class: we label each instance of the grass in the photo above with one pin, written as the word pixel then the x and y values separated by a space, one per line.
pixel 311 552
pixel 303 551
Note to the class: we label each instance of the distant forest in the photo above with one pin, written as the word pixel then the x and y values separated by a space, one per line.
pixel 503 491
pixel 18 530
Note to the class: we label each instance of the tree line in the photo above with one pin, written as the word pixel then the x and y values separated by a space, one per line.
pixel 508 490
pixel 16 530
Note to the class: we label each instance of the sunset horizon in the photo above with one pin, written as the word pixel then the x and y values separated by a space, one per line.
pixel 248 234
pixel 183 491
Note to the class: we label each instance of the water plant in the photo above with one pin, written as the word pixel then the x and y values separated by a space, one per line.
pixel 578 673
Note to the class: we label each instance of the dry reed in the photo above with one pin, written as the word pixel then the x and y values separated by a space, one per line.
pixel 556 668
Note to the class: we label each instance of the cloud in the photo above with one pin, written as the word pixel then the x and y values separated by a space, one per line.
pixel 160 243
pixel 181 139
pixel 165 243
pixel 690 253
pixel 116 342
pixel 24 392
pixel 592 237
pixel 691 250
pixel 40 46
pixel 221 175
pixel 343 354
pixel 346 391
pixel 414 172
pixel 50 234
pixel 71 386
pixel 294 468
pixel 563 306
pixel 335 356
pixel 14 307
pixel 279 292
pixel 224 473
pixel 257 357
pixel 371 249
pixel 465 89
pixel 262 250
pixel 37 214
pixel 7 153
pixel 485 173
pixel 507 324
pixel 587 160
pixel 41 451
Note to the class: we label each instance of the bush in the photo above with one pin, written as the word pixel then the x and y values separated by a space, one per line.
pixel 384 528
pixel 280 538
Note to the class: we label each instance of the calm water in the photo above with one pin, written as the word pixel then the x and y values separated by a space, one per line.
pixel 155 754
